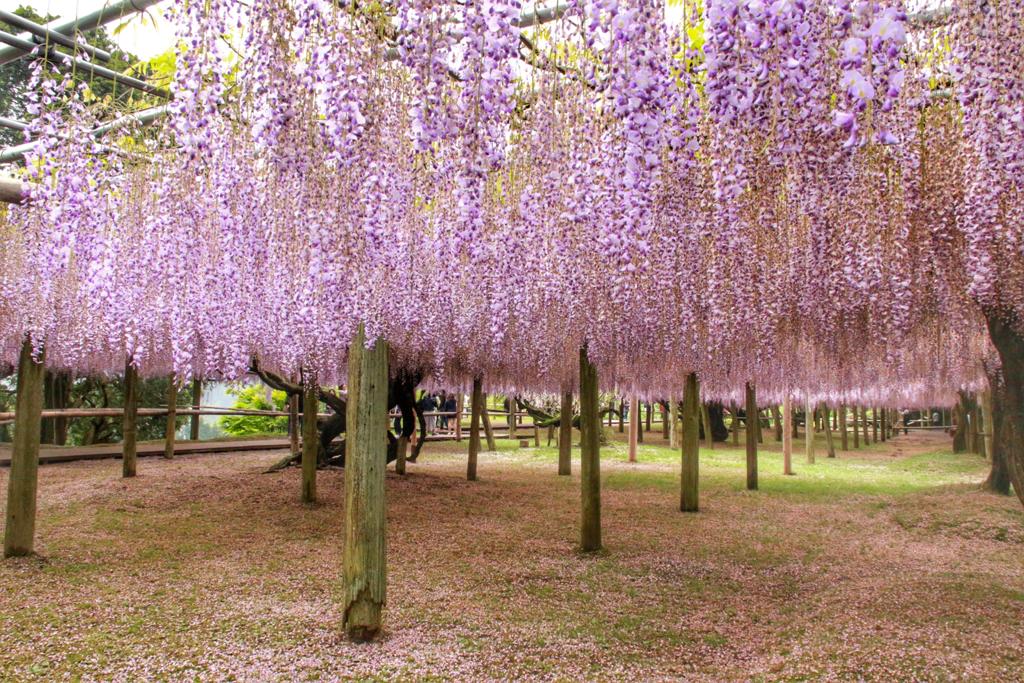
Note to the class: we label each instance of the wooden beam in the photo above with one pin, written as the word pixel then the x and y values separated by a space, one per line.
pixel 22 483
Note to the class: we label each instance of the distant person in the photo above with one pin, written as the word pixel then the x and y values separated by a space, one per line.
pixel 428 404
pixel 450 406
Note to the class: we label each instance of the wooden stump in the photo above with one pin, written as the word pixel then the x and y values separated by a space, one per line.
pixel 129 448
pixel 364 558
pixel 689 487
pixel 590 456
pixel 22 482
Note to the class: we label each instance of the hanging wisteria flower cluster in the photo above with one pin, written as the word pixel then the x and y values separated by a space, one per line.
pixel 764 193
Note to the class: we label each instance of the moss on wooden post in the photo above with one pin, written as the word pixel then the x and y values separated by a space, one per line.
pixel 476 406
pixel 364 559
pixel 689 487
pixel 172 417
pixel 565 435
pixel 310 442
pixel 751 438
pixel 129 447
pixel 22 482
pixel 590 456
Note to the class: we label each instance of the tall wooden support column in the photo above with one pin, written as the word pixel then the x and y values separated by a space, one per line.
pixel 364 558
pixel 476 408
pixel 829 443
pixel 565 435
pixel 751 438
pixel 634 427
pixel 787 435
pixel 689 487
pixel 809 431
pixel 197 400
pixel 705 416
pixel 172 417
pixel 22 482
pixel 310 442
pixel 129 447
pixel 293 425
pixel 856 428
pixel 590 456
pixel 843 438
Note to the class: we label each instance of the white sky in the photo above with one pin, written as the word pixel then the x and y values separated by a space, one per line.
pixel 145 35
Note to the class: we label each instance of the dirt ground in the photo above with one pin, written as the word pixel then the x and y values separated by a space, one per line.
pixel 883 564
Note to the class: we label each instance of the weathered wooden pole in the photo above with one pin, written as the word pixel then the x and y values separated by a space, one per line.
pixel 485 420
pixel 874 424
pixel 809 430
pixel 883 423
pixel 648 415
pixel 735 425
pixel 634 427
pixel 709 438
pixel 689 486
pixel 310 443
pixel 828 431
pixel 590 456
pixel 565 434
pixel 856 427
pixel 787 435
pixel 197 400
pixel 665 426
pixel 622 418
pixel 673 417
pixel 751 438
pixel 22 481
pixel 639 431
pixel 476 409
pixel 364 558
pixel 864 423
pixel 293 425
pixel 172 417
pixel 129 443
pixel 511 417
pixel 843 439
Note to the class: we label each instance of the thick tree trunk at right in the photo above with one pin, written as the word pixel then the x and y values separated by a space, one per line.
pixel 22 481
pixel 751 438
pixel 590 456
pixel 565 435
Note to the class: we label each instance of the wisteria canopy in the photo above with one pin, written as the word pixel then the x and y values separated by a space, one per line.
pixel 822 196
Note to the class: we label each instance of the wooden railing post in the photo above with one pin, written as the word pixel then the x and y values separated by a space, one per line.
pixel 129 447
pixel 22 482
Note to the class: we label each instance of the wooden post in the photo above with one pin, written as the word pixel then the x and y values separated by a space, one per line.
pixel 476 408
pixel 511 417
pixel 458 417
pixel 856 428
pixel 787 435
pixel 673 417
pixel 777 418
pixel 809 429
pixel 882 421
pixel 648 413
pixel 364 558
pixel 843 439
pixel 828 431
pixel 751 438
pixel 485 420
pixel 639 431
pixel 22 482
pixel 735 425
pixel 622 419
pixel 590 456
pixel 634 427
pixel 172 417
pixel 874 425
pixel 864 424
pixel 689 487
pixel 565 435
pixel 310 442
pixel 709 438
pixel 665 426
pixel 197 400
pixel 129 449
pixel 293 425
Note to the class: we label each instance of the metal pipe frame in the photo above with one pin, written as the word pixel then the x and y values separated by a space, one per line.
pixel 42 35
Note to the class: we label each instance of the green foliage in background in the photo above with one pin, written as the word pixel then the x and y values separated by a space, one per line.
pixel 254 398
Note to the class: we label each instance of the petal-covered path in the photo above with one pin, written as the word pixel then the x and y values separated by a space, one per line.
pixel 883 564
